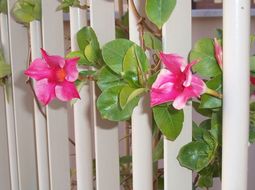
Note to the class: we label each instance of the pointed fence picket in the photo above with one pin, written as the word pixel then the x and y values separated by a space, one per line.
pixel 23 133
pixel 39 119
pixel 141 122
pixel 57 118
pixel 106 133
pixel 6 112
pixel 82 113
pixel 177 39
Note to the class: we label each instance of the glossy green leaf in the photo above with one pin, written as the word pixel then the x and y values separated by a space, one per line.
pixel 168 120
pixel 194 155
pixel 127 94
pixel 208 101
pixel 203 112
pixel 204 50
pixel 87 36
pixel 106 78
pixel 82 61
pixel 159 11
pixel 109 106
pixel 152 42
pixel 124 94
pixel 25 11
pixel 123 55
pixel 91 53
pixel 132 79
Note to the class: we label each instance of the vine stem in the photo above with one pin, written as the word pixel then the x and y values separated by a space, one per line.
pixel 142 20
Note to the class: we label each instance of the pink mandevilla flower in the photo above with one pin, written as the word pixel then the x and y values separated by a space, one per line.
pixel 55 77
pixel 176 82
pixel 218 52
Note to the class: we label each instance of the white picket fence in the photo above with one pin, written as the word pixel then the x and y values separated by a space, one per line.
pixel 34 152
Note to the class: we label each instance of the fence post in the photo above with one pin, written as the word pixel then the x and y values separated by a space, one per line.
pixel 82 113
pixel 40 121
pixel 177 39
pixel 57 117
pixel 236 48
pixel 141 124
pixel 106 133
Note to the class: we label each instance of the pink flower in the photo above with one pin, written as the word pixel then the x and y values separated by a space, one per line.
pixel 55 77
pixel 218 52
pixel 176 82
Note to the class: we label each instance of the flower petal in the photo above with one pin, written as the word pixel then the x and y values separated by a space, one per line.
pixel 66 91
pixel 163 89
pixel 71 69
pixel 38 70
pixel 173 62
pixel 218 52
pixel 45 91
pixel 188 73
pixel 53 60
pixel 196 88
pixel 181 100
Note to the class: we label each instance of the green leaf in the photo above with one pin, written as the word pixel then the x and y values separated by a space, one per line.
pixel 109 106
pixel 203 112
pixel 82 61
pixel 206 124
pixel 194 156
pixel 5 70
pixel 65 4
pixel 91 54
pixel 168 120
pixel 204 50
pixel 124 94
pixel 3 6
pixel 208 101
pixel 127 94
pixel 205 181
pixel 123 55
pixel 216 126
pixel 26 11
pixel 132 79
pixel 252 63
pixel 159 11
pixel 152 42
pixel 198 133
pixel 87 37
pixel 106 78
pixel 87 73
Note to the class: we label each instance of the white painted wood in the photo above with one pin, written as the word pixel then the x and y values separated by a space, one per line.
pixel 177 39
pixel 57 117
pixel 82 113
pixel 106 133
pixel 141 124
pixel 39 119
pixel 236 48
pixel 5 178
pixel 23 107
